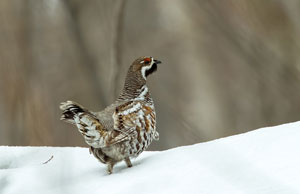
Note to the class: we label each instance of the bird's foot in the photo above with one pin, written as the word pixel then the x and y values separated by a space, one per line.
pixel 128 162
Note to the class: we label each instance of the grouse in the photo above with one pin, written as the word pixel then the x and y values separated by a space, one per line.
pixel 124 129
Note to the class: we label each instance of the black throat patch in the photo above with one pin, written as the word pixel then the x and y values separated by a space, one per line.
pixel 151 70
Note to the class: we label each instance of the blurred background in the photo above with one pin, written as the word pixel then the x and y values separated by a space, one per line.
pixel 228 66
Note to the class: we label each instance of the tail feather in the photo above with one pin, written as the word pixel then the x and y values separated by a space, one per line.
pixel 86 122
pixel 70 109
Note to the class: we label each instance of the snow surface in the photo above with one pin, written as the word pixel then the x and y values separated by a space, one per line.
pixel 266 160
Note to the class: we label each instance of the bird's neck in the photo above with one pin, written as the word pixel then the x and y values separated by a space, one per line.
pixel 134 87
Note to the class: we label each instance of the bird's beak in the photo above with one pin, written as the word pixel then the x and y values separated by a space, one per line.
pixel 157 61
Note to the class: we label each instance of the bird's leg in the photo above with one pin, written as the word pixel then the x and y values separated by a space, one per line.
pixel 110 166
pixel 128 162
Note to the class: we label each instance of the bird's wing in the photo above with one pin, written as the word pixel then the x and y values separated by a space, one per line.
pixel 130 118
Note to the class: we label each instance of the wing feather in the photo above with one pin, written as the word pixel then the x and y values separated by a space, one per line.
pixel 131 117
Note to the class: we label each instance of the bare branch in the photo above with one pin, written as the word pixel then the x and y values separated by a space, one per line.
pixel 48 160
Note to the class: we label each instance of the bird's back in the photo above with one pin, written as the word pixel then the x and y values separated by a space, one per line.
pixel 105 116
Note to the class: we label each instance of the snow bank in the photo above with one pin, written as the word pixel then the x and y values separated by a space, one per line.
pixel 262 161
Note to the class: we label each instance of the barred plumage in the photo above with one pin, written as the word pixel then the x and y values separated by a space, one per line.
pixel 125 128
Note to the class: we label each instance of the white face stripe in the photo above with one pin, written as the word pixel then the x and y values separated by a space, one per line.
pixel 145 68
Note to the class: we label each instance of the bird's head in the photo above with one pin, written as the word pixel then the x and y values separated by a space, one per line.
pixel 145 66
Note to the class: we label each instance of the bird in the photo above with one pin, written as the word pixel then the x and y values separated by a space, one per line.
pixel 124 129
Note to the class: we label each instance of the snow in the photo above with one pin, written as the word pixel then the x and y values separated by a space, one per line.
pixel 266 160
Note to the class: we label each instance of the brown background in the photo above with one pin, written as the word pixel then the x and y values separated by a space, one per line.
pixel 228 66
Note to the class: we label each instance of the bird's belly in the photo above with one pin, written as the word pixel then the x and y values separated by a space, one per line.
pixel 130 148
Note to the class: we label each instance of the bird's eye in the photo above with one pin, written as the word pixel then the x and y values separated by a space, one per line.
pixel 147 60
